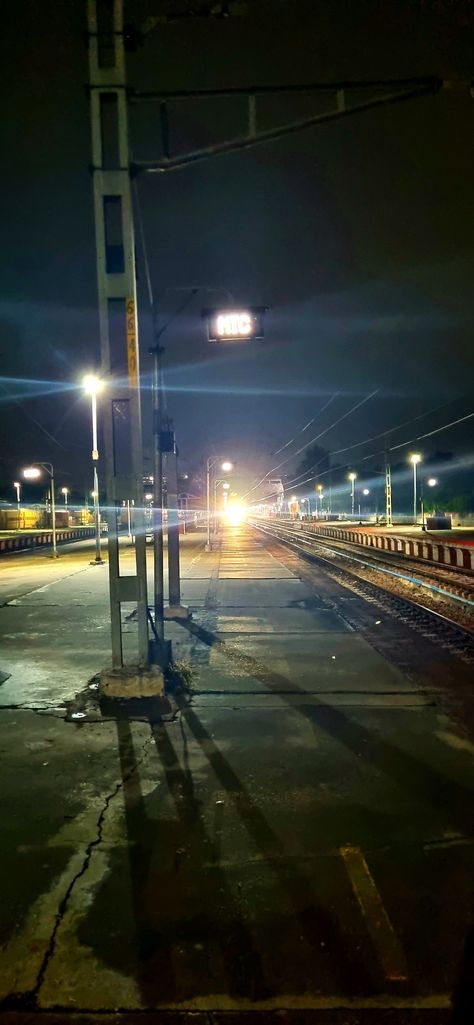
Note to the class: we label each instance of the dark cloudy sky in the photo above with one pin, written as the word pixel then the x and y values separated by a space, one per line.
pixel 358 234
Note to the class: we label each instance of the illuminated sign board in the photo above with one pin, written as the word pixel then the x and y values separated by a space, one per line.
pixel 234 324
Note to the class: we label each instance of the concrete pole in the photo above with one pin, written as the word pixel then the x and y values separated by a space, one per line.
pixel 116 281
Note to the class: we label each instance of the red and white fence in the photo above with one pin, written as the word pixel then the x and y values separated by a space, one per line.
pixel 434 551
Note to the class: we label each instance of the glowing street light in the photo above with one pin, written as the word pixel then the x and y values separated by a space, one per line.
pixel 65 492
pixel 226 467
pixel 432 482
pixel 93 386
pixel 352 477
pixel 414 459
pixel 33 472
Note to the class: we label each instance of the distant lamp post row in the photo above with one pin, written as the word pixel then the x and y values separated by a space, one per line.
pixel 226 467
pixel 415 458
pixel 92 386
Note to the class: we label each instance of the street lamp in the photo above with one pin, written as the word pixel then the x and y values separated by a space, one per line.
pixel 352 478
pixel 415 458
pixel 65 492
pixel 320 489
pixel 92 386
pixel 432 482
pixel 226 466
pixel 32 473
pixel 17 487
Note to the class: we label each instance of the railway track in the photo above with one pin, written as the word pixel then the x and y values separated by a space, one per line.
pixel 427 601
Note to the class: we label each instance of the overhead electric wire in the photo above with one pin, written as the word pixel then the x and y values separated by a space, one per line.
pixel 429 434
pixel 296 482
pixel 313 440
pixel 375 437
pixel 310 422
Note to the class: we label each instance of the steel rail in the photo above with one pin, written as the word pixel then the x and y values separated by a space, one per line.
pixel 314 556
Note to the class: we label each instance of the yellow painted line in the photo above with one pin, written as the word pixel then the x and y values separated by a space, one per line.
pixel 380 928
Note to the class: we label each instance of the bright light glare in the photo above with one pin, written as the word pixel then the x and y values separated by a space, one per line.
pixel 31 473
pixel 432 482
pixel 415 458
pixel 225 487
pixel 148 497
pixel 64 491
pixel 226 467
pixel 235 514
pixel 366 491
pixel 16 484
pixel 92 384
pixel 352 476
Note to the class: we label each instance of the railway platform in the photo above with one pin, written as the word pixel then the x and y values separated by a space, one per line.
pixel 294 845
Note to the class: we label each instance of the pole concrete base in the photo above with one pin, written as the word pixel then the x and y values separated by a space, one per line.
pixel 176 612
pixel 132 682
pixel 97 562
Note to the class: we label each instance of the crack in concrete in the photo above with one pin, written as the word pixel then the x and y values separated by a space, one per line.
pixel 44 710
pixel 32 997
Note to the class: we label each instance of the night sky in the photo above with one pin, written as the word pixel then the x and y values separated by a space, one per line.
pixel 357 234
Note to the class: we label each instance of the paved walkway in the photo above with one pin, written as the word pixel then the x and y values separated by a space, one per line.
pixel 298 838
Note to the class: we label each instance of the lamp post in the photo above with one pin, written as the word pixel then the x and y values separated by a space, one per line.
pixel 65 492
pixel 415 458
pixel 225 467
pixel 352 478
pixel 17 487
pixel 431 482
pixel 92 386
pixel 32 473
pixel 225 489
pixel 320 490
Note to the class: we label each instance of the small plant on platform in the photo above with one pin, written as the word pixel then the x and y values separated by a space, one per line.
pixel 179 676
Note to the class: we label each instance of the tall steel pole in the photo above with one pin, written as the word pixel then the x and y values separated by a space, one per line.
pixel 53 510
pixel 17 487
pixel 116 285
pixel 98 561
pixel 353 496
pixel 208 492
pixel 158 587
pixel 414 491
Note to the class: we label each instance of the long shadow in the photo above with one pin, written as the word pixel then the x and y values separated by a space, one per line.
pixel 174 898
pixel 315 921
pixel 408 772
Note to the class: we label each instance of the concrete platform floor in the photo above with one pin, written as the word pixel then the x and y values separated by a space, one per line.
pixel 295 846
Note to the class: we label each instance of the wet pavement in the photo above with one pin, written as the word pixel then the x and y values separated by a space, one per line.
pixel 295 845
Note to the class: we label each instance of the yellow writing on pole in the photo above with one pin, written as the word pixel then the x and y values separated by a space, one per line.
pixel 131 343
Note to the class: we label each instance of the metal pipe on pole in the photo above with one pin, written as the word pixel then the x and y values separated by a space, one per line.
pixel 53 511
pixel 208 503
pixel 158 579
pixel 98 561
